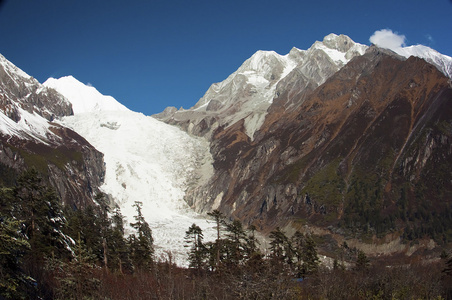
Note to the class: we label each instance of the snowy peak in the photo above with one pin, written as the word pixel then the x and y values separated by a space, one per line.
pixel 248 92
pixel 26 107
pixel 339 48
pixel 13 71
pixel 340 43
pixel 264 69
pixel 441 61
pixel 267 64
pixel 84 98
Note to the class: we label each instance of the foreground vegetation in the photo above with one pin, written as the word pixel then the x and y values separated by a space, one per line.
pixel 51 252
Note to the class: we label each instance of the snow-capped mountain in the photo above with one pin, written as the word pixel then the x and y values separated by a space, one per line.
pixel 26 107
pixel 84 98
pixel 441 61
pixel 30 137
pixel 303 138
pixel 146 160
pixel 248 92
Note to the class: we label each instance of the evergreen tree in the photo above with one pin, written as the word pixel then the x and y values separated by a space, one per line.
pixel 40 211
pixel 298 242
pixel 105 225
pixel 12 249
pixel 86 224
pixel 141 244
pixel 251 242
pixel 197 252
pixel 309 256
pixel 253 256
pixel 35 211
pixel 76 278
pixel 219 220
pixel 118 251
pixel 280 247
pixel 236 238
pixel 362 262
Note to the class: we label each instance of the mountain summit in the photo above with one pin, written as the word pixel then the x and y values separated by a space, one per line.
pixel 83 98
pixel 248 92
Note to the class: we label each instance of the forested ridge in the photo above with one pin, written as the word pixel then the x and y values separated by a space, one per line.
pixel 52 252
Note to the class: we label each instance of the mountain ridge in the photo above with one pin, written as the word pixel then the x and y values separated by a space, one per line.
pixel 249 91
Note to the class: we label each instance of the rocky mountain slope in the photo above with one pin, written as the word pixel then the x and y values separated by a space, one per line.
pixel 248 92
pixel 30 138
pixel 364 149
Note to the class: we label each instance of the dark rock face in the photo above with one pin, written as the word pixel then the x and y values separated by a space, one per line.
pixel 368 151
pixel 74 168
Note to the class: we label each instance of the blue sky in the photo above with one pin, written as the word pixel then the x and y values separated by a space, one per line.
pixel 150 54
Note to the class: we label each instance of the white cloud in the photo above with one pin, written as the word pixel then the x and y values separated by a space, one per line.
pixel 431 40
pixel 385 38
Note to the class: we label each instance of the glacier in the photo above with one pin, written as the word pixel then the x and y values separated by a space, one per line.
pixel 146 160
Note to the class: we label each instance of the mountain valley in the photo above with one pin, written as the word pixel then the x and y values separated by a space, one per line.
pixel 348 141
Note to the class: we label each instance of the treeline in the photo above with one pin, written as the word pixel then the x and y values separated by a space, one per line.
pixel 52 252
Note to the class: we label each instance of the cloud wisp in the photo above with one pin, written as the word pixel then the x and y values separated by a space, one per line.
pixel 386 38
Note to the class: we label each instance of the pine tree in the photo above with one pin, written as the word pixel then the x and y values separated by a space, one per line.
pixel 219 220
pixel 117 245
pixel 86 224
pixel 13 247
pixel 141 244
pixel 280 247
pixel 197 252
pixel 310 258
pixel 76 278
pixel 298 242
pixel 105 225
pixel 236 238
pixel 362 262
pixel 253 256
pixel 251 242
pixel 39 209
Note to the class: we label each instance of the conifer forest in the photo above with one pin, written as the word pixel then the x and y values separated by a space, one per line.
pixel 50 251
